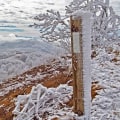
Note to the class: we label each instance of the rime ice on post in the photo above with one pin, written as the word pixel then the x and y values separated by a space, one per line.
pixel 81 52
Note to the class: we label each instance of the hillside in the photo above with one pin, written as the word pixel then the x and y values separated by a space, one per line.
pixel 51 76
pixel 36 81
pixel 105 84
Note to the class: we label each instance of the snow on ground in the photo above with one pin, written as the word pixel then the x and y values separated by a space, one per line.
pixel 105 106
pixel 20 50
pixel 19 56
pixel 15 17
pixel 35 75
pixel 106 70
pixel 20 45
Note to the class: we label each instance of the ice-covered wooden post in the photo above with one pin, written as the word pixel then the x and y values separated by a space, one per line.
pixel 81 52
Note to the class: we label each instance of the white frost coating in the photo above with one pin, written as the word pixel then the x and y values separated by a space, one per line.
pixel 76 42
pixel 82 14
pixel 86 63
pixel 86 43
pixel 41 101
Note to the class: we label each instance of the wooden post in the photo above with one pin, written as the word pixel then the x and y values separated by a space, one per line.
pixel 77 64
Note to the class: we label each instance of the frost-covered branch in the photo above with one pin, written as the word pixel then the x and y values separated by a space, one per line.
pixel 52 25
pixel 42 102
pixel 56 27
pixel 106 23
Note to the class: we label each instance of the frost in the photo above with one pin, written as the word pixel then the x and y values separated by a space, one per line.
pixel 105 23
pixel 86 52
pixel 19 56
pixel 42 101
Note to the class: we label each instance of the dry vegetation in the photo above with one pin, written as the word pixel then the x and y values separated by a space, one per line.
pixel 7 101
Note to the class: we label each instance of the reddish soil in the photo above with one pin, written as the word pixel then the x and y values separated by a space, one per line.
pixel 7 101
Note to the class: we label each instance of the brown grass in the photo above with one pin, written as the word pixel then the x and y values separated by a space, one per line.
pixel 7 101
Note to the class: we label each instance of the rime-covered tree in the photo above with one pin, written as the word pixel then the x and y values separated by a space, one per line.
pixel 55 27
